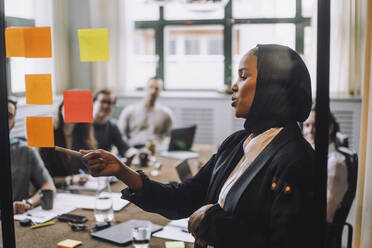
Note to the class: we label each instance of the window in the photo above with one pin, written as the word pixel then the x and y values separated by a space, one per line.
pixel 194 61
pixel 179 11
pixel 246 37
pixel 190 44
pixel 172 47
pixel 192 47
pixel 12 8
pixel 143 61
pixel 264 9
pixel 215 46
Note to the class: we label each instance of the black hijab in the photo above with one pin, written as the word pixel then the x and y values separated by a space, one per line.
pixel 283 89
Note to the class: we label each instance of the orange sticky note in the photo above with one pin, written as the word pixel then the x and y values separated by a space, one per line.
pixel 39 89
pixel 40 131
pixel 38 42
pixel 29 42
pixel 15 42
pixel 78 106
pixel 69 243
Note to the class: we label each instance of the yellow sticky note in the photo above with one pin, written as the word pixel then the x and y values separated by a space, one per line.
pixel 69 243
pixel 94 44
pixel 174 244
pixel 15 42
pixel 39 89
pixel 40 131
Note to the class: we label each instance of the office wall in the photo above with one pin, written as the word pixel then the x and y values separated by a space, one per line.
pixel 211 111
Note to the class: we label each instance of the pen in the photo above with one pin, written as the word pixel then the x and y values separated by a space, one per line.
pixel 68 151
pixel 42 224
pixel 184 230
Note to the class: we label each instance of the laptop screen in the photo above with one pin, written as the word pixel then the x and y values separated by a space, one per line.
pixel 182 138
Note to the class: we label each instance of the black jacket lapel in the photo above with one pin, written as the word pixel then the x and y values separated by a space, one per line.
pixel 223 170
pixel 261 160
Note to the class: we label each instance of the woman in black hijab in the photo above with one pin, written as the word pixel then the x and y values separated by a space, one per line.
pixel 258 190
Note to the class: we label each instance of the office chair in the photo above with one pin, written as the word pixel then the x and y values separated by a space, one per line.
pixel 335 229
pixel 342 140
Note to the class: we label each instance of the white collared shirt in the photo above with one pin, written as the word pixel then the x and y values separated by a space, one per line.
pixel 252 147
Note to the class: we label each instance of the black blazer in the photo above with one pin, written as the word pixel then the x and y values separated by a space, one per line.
pixel 271 205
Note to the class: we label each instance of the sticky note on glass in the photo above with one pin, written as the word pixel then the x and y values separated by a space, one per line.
pixel 94 44
pixel 38 42
pixel 78 106
pixel 40 131
pixel 15 42
pixel 69 243
pixel 29 42
pixel 39 89
pixel 174 244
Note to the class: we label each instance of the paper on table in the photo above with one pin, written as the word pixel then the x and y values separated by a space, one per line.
pixel 87 201
pixel 174 244
pixel 180 223
pixel 94 44
pixel 78 106
pixel 39 89
pixel 90 185
pixel 181 155
pixel 40 132
pixel 176 230
pixel 39 215
pixel 174 233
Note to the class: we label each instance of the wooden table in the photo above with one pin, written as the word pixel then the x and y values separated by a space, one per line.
pixel 49 236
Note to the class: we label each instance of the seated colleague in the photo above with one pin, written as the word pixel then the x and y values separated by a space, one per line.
pixel 62 167
pixel 27 166
pixel 337 171
pixel 147 120
pixel 105 130
pixel 259 189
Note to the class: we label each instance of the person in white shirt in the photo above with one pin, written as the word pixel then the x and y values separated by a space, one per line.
pixel 337 172
pixel 147 120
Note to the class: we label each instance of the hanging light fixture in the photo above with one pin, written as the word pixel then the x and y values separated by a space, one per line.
pixel 158 2
pixel 204 5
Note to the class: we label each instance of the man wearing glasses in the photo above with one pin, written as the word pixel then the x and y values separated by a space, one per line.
pixel 27 166
pixel 106 131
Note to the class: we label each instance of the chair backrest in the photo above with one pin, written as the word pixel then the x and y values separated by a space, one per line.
pixel 352 176
pixel 342 140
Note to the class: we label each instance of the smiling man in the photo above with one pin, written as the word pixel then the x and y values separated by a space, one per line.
pixel 106 131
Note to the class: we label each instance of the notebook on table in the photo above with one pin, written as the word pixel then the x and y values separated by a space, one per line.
pixel 120 234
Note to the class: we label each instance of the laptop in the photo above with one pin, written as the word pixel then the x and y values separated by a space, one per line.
pixel 120 234
pixel 181 141
pixel 183 170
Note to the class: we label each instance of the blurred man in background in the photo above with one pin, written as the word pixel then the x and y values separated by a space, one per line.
pixel 147 120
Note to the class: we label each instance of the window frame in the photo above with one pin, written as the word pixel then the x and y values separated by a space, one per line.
pixel 227 22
